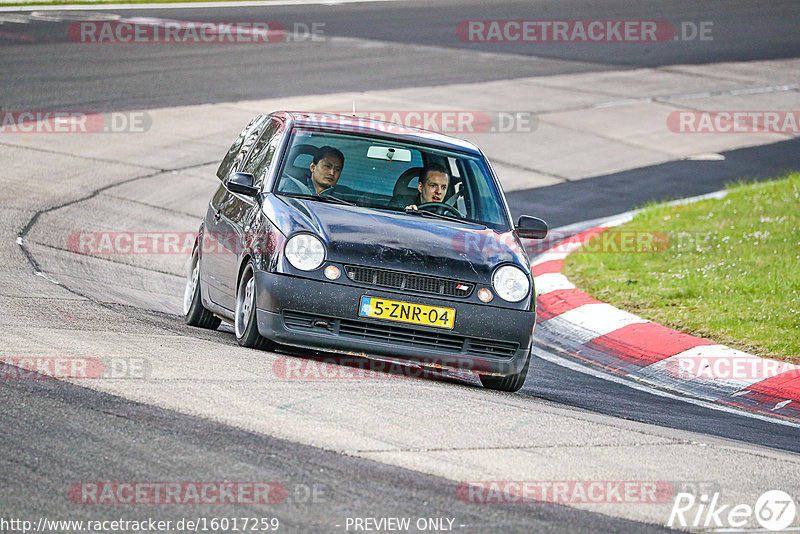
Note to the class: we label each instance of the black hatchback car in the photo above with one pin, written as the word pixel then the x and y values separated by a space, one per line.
pixel 369 238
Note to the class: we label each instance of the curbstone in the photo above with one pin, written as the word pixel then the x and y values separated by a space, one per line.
pixel 575 323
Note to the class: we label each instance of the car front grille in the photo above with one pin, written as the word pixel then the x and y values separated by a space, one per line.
pixel 398 335
pixel 430 285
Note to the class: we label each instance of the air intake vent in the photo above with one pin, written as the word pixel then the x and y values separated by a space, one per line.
pixel 429 285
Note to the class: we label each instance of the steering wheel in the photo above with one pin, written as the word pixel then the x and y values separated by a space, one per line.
pixel 441 207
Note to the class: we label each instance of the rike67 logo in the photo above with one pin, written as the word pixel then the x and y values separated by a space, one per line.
pixel 774 510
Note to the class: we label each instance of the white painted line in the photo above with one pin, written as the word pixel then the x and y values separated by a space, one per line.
pixel 581 226
pixel 697 96
pixel 767 89
pixel 624 102
pixel 601 319
pixel 190 5
pixel 575 366
pixel 53 280
pixel 683 201
pixel 707 156
pixel 685 96
pixel 722 359
pixel 568 245
pixel 545 283
pixel 549 256
pixel 571 334
pixel 694 371
pixel 618 220
pixel 621 218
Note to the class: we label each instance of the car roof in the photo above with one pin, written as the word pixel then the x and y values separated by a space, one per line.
pixel 386 130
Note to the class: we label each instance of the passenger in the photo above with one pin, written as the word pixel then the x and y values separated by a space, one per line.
pixel 326 168
pixel 432 186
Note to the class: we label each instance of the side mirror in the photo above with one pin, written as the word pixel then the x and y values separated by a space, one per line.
pixel 242 183
pixel 531 227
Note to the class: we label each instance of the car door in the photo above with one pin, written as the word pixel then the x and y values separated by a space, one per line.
pixel 216 245
pixel 235 212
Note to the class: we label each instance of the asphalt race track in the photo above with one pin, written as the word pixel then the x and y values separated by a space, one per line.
pixel 191 406
pixel 368 47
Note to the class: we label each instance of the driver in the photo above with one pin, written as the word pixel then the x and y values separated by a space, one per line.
pixel 326 168
pixel 432 186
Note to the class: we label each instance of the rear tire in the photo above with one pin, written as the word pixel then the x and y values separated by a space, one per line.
pixel 245 322
pixel 510 383
pixel 193 311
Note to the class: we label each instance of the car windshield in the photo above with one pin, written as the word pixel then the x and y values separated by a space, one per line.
pixel 384 174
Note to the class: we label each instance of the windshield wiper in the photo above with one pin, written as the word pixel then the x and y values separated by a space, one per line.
pixel 320 198
pixel 432 215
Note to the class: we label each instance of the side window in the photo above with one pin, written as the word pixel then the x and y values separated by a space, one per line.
pixel 239 148
pixel 481 199
pixel 261 156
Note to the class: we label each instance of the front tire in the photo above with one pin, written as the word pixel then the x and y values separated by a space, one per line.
pixel 510 383
pixel 194 314
pixel 245 323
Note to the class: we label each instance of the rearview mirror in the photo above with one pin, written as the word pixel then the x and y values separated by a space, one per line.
pixel 531 227
pixel 389 153
pixel 242 183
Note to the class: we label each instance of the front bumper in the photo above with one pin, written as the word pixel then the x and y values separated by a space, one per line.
pixel 324 315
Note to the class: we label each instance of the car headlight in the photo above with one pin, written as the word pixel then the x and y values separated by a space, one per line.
pixel 511 283
pixel 305 252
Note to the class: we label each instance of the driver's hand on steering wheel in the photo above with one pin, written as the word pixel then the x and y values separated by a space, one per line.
pixel 411 207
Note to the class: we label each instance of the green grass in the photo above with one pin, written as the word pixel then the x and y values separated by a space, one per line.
pixel 730 272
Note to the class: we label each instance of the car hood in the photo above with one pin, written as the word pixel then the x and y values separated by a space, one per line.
pixel 399 241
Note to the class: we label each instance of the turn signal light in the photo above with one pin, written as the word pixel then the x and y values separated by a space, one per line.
pixel 484 294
